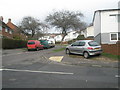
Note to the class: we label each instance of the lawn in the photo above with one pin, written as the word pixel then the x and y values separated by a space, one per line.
pixel 58 50
pixel 117 57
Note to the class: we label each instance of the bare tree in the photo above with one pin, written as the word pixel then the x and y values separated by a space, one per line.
pixel 66 20
pixel 30 25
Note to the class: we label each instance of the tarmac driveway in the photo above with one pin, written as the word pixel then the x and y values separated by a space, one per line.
pixel 62 58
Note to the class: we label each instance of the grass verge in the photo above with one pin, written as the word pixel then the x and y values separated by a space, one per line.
pixel 117 57
pixel 58 50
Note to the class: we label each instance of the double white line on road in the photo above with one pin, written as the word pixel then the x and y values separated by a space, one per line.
pixel 47 72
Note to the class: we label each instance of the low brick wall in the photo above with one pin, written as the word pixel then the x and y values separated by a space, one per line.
pixel 111 48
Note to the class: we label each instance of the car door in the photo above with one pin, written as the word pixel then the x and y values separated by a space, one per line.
pixel 74 47
pixel 80 47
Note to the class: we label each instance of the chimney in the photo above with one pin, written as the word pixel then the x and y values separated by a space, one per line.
pixel 1 18
pixel 9 20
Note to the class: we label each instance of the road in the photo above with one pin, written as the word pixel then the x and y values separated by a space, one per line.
pixel 23 69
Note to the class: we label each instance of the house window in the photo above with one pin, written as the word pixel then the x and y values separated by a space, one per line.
pixel 6 29
pixel 118 18
pixel 113 36
pixel 115 17
pixel 74 34
pixel 10 32
pixel 119 36
pixel 0 27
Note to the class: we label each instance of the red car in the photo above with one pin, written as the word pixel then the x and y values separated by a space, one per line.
pixel 34 45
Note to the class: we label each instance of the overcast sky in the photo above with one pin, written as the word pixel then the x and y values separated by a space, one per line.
pixel 17 9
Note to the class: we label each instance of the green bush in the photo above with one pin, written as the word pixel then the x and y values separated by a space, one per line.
pixel 80 37
pixel 11 44
pixel 71 41
pixel 57 42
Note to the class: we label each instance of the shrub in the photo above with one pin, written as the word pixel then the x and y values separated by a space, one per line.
pixel 11 44
pixel 80 37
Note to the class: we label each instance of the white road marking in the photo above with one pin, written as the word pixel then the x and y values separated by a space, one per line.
pixel 96 65
pixel 56 58
pixel 47 72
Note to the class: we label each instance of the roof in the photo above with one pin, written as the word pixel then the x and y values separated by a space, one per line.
pixel 5 25
pixel 105 10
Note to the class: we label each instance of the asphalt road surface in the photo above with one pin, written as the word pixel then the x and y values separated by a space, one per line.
pixel 23 69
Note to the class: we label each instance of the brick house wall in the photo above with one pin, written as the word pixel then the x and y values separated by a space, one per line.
pixel 16 30
pixel 6 34
pixel 112 48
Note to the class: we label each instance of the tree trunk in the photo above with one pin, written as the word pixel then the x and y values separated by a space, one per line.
pixel 62 38
pixel 32 33
pixel 64 33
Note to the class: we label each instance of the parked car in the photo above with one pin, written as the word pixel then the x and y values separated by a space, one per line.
pixel 45 43
pixel 51 42
pixel 34 45
pixel 85 48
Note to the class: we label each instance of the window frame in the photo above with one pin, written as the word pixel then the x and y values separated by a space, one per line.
pixel 10 32
pixel 83 44
pixel 75 44
pixel 6 29
pixel 111 38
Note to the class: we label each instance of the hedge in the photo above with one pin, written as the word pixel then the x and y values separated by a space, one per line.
pixel 12 44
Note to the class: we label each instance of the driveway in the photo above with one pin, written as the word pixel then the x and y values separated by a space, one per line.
pixel 74 59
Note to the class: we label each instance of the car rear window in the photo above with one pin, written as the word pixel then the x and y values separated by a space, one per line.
pixel 93 43
pixel 30 43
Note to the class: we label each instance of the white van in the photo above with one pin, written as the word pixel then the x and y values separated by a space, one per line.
pixel 51 42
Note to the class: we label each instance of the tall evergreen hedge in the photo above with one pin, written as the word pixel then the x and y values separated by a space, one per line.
pixel 12 44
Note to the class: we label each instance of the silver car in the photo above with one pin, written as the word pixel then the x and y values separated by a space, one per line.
pixel 85 48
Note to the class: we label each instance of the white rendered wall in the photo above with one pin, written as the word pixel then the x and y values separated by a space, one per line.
pixel 97 24
pixel 90 31
pixel 109 23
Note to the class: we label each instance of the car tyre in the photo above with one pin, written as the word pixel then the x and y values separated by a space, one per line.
pixel 86 55
pixel 67 51
pixel 37 49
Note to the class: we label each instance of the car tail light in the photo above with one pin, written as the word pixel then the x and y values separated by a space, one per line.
pixel 90 48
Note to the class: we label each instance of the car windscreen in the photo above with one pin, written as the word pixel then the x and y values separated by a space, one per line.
pixel 30 43
pixel 93 43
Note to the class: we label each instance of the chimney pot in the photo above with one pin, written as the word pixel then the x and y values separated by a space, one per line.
pixel 9 20
pixel 1 18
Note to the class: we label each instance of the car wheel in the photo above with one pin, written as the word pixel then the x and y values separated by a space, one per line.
pixel 86 55
pixel 67 51
pixel 37 49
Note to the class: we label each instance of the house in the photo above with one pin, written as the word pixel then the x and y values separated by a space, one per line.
pixel 17 33
pixel 106 31
pixel 47 36
pixel 70 36
pixel 5 31
pixel 88 32
pixel 58 37
pixel 83 32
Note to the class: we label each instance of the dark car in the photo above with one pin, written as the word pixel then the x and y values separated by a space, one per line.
pixel 45 43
